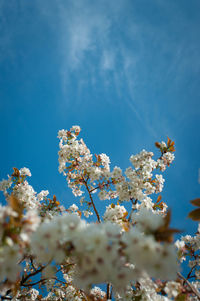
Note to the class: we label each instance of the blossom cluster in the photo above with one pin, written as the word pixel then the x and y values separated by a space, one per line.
pixel 129 249
pixel 84 173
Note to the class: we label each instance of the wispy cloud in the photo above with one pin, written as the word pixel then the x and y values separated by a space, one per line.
pixel 108 60
pixel 143 57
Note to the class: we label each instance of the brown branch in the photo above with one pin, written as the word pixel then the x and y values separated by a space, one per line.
pixel 34 283
pixel 42 280
pixel 6 298
pixel 92 202
pixel 31 260
pixel 24 279
pixel 108 295
pixel 193 289
pixel 132 209
pixel 189 274
pixel 55 278
pixel 101 185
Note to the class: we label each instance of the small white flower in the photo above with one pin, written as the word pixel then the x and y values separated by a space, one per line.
pixel 43 194
pixel 73 208
pixel 25 172
pixel 172 289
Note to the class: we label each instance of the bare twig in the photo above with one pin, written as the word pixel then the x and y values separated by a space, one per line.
pixel 108 293
pixel 92 202
pixel 133 209
pixel 102 185
pixel 24 279
pixel 34 283
pixel 193 289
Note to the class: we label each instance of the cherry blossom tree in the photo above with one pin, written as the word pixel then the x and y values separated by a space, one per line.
pixel 49 252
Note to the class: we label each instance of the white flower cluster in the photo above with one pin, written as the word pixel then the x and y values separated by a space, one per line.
pixel 67 294
pixel 31 221
pixel 5 212
pixel 140 183
pixel 78 155
pixel 166 160
pixel 158 260
pixel 97 251
pixel 25 172
pixel 172 289
pixel 46 242
pixel 148 290
pixel 144 161
pixel 132 252
pixel 76 162
pixel 192 243
pixel 115 214
pixel 42 195
pixel 26 194
pixel 27 294
pixel 147 220
pixel 5 185
pixel 98 258
pixel 97 294
pixel 23 191
pixel 12 240
pixel 9 258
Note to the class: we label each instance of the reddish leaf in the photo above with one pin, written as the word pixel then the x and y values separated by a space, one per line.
pixel 195 215
pixel 125 214
pixel 16 172
pixel 157 144
pixel 167 219
pixel 166 234
pixel 168 141
pixel 158 199
pixel 195 202
pixel 79 213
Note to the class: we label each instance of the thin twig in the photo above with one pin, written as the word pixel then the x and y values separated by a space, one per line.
pixel 108 291
pixel 101 185
pixel 92 202
pixel 31 260
pixel 193 289
pixel 55 278
pixel 6 297
pixel 34 283
pixel 24 279
pixel 133 209
pixel 189 274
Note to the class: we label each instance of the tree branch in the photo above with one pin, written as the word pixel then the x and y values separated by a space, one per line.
pixel 34 283
pixel 193 289
pixel 92 202
pixel 102 185
pixel 24 279
pixel 108 295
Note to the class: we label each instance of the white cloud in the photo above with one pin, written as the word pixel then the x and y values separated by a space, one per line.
pixel 96 37
pixel 108 60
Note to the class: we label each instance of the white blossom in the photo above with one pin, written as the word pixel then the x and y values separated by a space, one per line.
pixel 25 172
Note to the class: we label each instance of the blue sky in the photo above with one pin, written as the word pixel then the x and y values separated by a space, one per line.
pixel 126 71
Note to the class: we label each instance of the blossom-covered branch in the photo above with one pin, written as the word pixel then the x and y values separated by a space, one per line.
pixel 129 248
